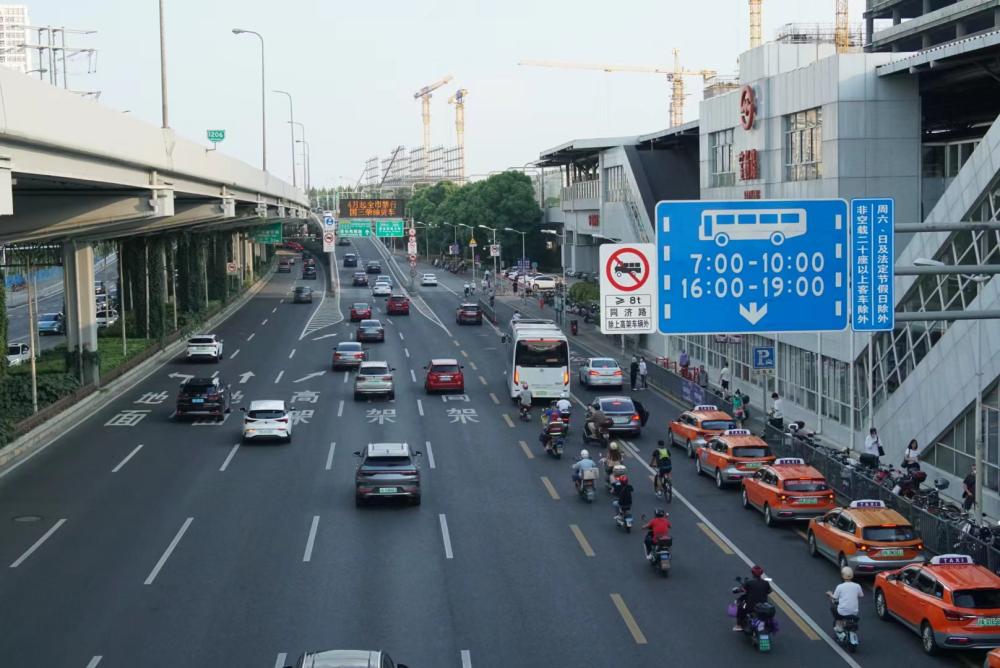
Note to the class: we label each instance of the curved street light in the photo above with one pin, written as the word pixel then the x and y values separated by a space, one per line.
pixel 263 92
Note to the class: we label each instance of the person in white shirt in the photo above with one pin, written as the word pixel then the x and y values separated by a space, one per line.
pixel 845 598
pixel 776 416
pixel 911 459
pixel 872 443
pixel 725 378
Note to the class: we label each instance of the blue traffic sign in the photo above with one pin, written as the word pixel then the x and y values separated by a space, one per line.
pixel 763 357
pixel 752 266
pixel 328 221
pixel 872 266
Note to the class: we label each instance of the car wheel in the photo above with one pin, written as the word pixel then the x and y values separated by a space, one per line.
pixel 392 396
pixel 768 517
pixel 744 499
pixel 358 501
pixel 690 450
pixel 881 607
pixel 415 501
pixel 718 479
pixel 697 466
pixel 357 397
pixel 927 640
pixel 811 543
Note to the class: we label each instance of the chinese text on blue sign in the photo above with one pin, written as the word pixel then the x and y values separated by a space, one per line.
pixel 873 308
pixel 752 266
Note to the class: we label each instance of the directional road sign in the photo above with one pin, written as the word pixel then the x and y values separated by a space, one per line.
pixel 389 228
pixel 329 242
pixel 872 297
pixel 763 357
pixel 355 228
pixel 215 136
pixel 752 266
pixel 268 234
pixel 628 288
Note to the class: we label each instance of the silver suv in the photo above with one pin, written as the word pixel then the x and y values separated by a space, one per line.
pixel 374 378
pixel 387 470
pixel 346 658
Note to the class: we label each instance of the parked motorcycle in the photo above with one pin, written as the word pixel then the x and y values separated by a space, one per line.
pixel 760 624
pixel 623 518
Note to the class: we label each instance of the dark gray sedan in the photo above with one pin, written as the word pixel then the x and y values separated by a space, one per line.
pixel 623 413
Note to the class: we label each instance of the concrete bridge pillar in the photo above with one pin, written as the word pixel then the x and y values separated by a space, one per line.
pixel 81 308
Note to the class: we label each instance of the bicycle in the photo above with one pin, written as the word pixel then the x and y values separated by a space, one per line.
pixel 663 486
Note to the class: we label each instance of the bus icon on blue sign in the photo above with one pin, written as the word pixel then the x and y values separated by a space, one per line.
pixel 775 225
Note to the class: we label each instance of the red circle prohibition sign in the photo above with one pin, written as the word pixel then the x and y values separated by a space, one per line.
pixel 615 267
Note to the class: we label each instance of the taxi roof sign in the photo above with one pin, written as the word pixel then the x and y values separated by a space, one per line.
pixel 954 559
pixel 737 432
pixel 706 407
pixel 867 503
pixel 790 461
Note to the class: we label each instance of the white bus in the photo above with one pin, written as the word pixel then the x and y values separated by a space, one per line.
pixel 537 352
pixel 776 225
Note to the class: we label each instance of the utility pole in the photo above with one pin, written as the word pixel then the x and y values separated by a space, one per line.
pixel 163 69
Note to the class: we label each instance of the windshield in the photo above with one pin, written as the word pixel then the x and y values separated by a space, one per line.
pixel 48 316
pixel 13 350
pixel 370 324
pixel 718 425
pixel 349 347
pixel 545 353
pixel 266 415
pixel 806 486
pixel 603 364
pixel 752 451
pixel 388 462
pixel 444 368
pixel 617 406
pixel 361 307
pixel 192 388
pixel 981 599
pixel 201 342
pixel 891 534
pixel 374 371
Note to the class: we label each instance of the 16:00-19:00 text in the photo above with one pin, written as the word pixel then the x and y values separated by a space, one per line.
pixel 766 286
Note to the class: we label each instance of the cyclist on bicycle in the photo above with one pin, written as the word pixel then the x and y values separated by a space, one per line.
pixel 660 461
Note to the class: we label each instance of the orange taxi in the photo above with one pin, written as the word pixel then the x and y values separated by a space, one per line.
pixel 992 659
pixel 952 602
pixel 786 490
pixel 732 455
pixel 693 429
pixel 866 536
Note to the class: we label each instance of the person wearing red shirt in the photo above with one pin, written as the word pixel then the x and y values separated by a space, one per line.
pixel 658 527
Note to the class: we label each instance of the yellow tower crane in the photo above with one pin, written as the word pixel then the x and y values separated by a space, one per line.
pixel 424 95
pixel 842 34
pixel 458 99
pixel 756 38
pixel 675 76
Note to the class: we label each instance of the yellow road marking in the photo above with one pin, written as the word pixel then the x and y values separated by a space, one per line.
pixel 582 540
pixel 794 616
pixel 715 539
pixel 506 418
pixel 494 398
pixel 633 628
pixel 527 450
pixel 464 354
pixel 548 486
pixel 482 380
pixel 473 365
pixel 967 661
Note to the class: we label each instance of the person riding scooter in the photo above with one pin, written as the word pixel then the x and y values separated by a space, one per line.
pixel 553 429
pixel 656 529
pixel 755 590
pixel 844 600
pixel 624 501
pixel 597 424
pixel 524 401
pixel 583 463
pixel 614 457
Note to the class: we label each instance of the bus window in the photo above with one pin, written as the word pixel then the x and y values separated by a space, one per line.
pixel 725 219
pixel 790 218
pixel 747 219
pixel 542 354
pixel 768 219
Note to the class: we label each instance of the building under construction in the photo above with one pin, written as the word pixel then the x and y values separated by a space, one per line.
pixel 406 168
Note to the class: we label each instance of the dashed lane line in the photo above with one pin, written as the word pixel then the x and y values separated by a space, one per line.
pixel 633 628
pixel 483 381
pixel 430 454
pixel 466 659
pixel 527 450
pixel 233 356
pixel 506 418
pixel 311 540
pixel 38 543
pixel 406 351
pixel 93 663
pixel 229 458
pixel 346 376
pixel 445 537
pixel 457 344
pixel 274 310
pixel 280 374
pixel 340 408
pixel 464 354
pixel 549 488
pixel 420 407
pixel 329 456
pixel 401 337
pixel 715 539
pixel 494 398
pixel 582 540
pixel 291 354
pixel 264 322
pixel 127 457
pixel 473 365
pixel 252 334
pixel 280 661
pixel 413 376
pixel 166 553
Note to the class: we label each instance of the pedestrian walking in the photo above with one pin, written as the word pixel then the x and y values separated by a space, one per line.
pixel 873 445
pixel 969 490
pixel 725 378
pixel 643 374
pixel 685 362
pixel 702 378
pixel 738 412
pixel 633 371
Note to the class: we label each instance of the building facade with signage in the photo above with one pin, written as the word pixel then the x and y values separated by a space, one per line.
pixel 14 34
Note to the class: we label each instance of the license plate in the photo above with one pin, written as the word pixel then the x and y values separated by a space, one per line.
pixel 619 420
pixel 386 490
pixel 808 500
pixel 752 465
pixel 664 556
pixel 197 401
pixel 988 621
pixel 444 378
pixel 890 553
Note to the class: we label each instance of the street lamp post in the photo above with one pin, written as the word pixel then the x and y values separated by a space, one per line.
pixel 163 71
pixel 494 231
pixel 291 129
pixel 472 252
pixel 455 228
pixel 562 302
pixel 523 234
pixel 306 175
pixel 263 93
pixel 427 239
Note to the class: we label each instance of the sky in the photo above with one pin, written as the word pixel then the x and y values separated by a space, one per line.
pixel 353 67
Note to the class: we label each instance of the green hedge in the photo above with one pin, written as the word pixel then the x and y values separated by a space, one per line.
pixel 584 292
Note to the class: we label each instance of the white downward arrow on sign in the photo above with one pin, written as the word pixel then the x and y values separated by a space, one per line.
pixel 312 375
pixel 753 314
pixel 244 377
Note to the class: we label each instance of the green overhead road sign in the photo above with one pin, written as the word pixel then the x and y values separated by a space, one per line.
pixel 389 228
pixel 268 234
pixel 354 228
pixel 215 136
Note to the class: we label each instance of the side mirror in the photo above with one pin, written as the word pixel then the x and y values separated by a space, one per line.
pixel 182 384
pixel 892 578
pixel 425 368
pixel 229 410
pixel 392 369
pixel 503 338
pixel 461 366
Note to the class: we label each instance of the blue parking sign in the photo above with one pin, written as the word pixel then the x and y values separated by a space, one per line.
pixel 752 266
pixel 763 357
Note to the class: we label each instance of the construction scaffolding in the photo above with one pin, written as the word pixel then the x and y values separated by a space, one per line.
pixel 411 167
pixel 821 33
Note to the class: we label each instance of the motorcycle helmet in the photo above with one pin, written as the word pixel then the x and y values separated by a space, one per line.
pixel 756 571
pixel 584 454
pixel 660 512
pixel 847 573
pixel 613 446
pixel 524 384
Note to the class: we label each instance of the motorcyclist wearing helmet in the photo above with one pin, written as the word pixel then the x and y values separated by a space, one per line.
pixel 524 396
pixel 598 422
pixel 614 458
pixel 554 428
pixel 656 528
pixel 617 477
pixel 844 600
pixel 565 407
pixel 583 463
pixel 660 461
pixel 755 590
pixel 624 494
pixel 552 413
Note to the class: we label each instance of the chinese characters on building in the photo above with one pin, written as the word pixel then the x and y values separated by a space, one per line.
pixel 749 165
pixel 872 240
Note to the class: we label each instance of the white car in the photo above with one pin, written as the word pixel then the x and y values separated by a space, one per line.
pixel 428 279
pixel 382 290
pixel 18 353
pixel 542 282
pixel 267 419
pixel 107 317
pixel 204 346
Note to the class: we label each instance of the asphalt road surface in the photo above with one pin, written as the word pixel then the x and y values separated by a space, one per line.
pixel 137 540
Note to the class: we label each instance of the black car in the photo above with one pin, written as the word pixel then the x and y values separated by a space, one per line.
pixel 302 295
pixel 309 272
pixel 373 267
pixel 370 330
pixel 387 470
pixel 343 241
pixel 350 260
pixel 469 313
pixel 360 278
pixel 203 396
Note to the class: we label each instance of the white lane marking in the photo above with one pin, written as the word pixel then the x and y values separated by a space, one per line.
pixel 324 336
pixel 291 354
pixel 413 376
pixel 264 322
pixel 340 409
pixel 38 543
pixel 388 320
pixel 94 661
pixel 215 375
pixel 280 374
pixel 229 458
pixel 233 356
pixel 274 310
pixel 400 336
pixel 420 407
pixel 430 455
pixel 281 301
pixel 280 661
pixel 329 457
pixel 466 659
pixel 346 375
pixel 445 537
pixel 252 334
pixel 166 554
pixel 127 457
pixel 406 351
pixel 308 554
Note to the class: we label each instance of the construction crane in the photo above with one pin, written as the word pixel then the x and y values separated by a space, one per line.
pixel 424 95
pixel 458 99
pixel 842 33
pixel 756 38
pixel 675 76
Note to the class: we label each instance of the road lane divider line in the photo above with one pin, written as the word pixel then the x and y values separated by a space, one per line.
pixel 274 310
pixel 430 455
pixel 329 457
pixel 420 407
pixel 280 374
pixel 346 375
pixel 445 536
pixel 466 659
pixel 457 344
pixel 802 534
pixel 229 458
pixel 413 376
pixel 215 374
pixel 464 354
pixel 406 351
pixel 400 336
pixel 280 661
pixel 473 365
pixel 94 661
pixel 715 539
pixel 582 540
pixel 340 408
pixel 551 490
pixel 482 380
pixel 38 543
pixel 264 322
pixel 166 553
pixel 494 398
pixel 803 615
pixel 233 356
pixel 506 418
pixel 527 451
pixel 127 457
pixel 311 540
pixel 629 620
pixel 252 334
pixel 780 601
pixel 291 354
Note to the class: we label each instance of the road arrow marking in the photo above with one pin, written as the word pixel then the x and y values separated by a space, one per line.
pixel 244 377
pixel 753 314
pixel 183 376
pixel 312 375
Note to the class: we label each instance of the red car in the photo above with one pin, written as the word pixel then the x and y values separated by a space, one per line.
pixel 360 311
pixel 397 305
pixel 469 313
pixel 444 375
